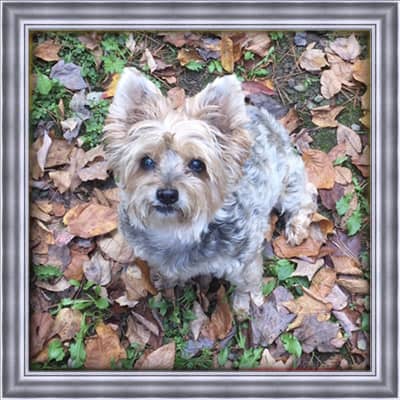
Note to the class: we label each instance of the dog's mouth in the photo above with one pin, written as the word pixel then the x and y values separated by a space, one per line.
pixel 165 210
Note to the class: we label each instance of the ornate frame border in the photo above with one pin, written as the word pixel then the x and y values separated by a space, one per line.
pixel 20 17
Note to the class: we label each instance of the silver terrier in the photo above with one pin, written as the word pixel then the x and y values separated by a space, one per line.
pixel 198 183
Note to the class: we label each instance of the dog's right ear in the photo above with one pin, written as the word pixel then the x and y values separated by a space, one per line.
pixel 136 99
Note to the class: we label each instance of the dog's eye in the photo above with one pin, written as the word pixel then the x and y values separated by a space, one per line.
pixel 197 166
pixel 147 163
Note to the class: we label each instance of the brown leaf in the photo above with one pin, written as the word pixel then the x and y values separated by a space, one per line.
pixel 307 305
pixel 36 212
pixel 258 43
pixel 116 248
pixel 343 70
pixel 180 39
pixel 200 319
pixel 59 286
pixel 366 100
pixel 47 51
pixel 325 116
pixel 75 268
pixel 98 270
pixel 58 153
pixel 176 96
pixel 162 358
pixel 93 220
pixel 103 349
pixel 305 268
pixel 41 327
pixel 67 323
pixel 346 265
pixel 227 53
pixel 137 333
pixel 331 84
pixel 362 162
pixel 221 319
pixel 326 226
pixel 319 169
pixel 323 282
pixel 97 170
pixel 350 139
pixel 312 60
pixel 366 119
pixel 269 362
pixel 90 40
pixel 253 87
pixel 354 285
pixel 62 180
pixel 137 281
pixel 112 86
pixel 43 151
pixel 148 59
pixel 343 175
pixel 302 140
pixel 331 196
pixel 361 71
pixel 337 297
pixel 186 55
pixel 347 48
pixel 291 120
pixel 151 326
pixel 40 238
pixel 309 248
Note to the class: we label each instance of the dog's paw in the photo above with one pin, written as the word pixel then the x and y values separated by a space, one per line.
pixel 241 305
pixel 297 229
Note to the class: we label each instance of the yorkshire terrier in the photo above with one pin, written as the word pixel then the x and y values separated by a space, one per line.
pixel 198 183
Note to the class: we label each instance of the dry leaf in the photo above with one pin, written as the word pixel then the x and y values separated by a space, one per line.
pixel 346 265
pixel 323 282
pixel 176 96
pixel 227 53
pixel 221 319
pixel 326 226
pixel 97 170
pixel 350 139
pixel 67 323
pixel 258 43
pixel 47 51
pixel 112 86
pixel 186 55
pixel 36 212
pixel 43 151
pixel 291 120
pixel 41 327
pixel 269 362
pixel 148 57
pixel 61 179
pixel 162 358
pixel 342 69
pixel 199 320
pixel 75 268
pixel 98 270
pixel 61 285
pixel 104 349
pixel 331 84
pixel 58 153
pixel 347 48
pixel 137 281
pixel 366 119
pixel 305 268
pixel 319 169
pixel 354 285
pixel 137 333
pixel 362 162
pixel 337 297
pixel 325 116
pixel 366 100
pixel 312 60
pixel 93 220
pixel 361 71
pixel 309 248
pixel 40 238
pixel 116 248
pixel 180 39
pixel 343 175
pixel 253 87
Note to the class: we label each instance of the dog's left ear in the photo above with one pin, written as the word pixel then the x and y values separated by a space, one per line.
pixel 221 104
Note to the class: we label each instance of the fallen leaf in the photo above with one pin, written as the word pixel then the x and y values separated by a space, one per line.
pixel 330 197
pixel 116 248
pixel 366 119
pixel 112 86
pixel 98 270
pixel 59 286
pixel 337 298
pixel 362 162
pixel 326 226
pixel 221 319
pixel 177 97
pixel 152 327
pixel 309 248
pixel 97 170
pixel 343 175
pixel 345 321
pixel 162 358
pixel 47 51
pixel 350 139
pixel 75 269
pixel 271 319
pixel 347 48
pixel 36 212
pixel 59 153
pixel 67 323
pixel 319 169
pixel 187 55
pixel 40 238
pixel 90 40
pixel 312 60
pixel 149 60
pixel 354 285
pixel 199 320
pixel 323 282
pixel 253 87
pixel 41 327
pixel 93 220
pixel 137 281
pixel 302 140
pixel 307 305
pixel 69 75
pixel 269 362
pixel 61 179
pixel 130 43
pixel 324 336
pixel 104 349
pixel 305 268
pixel 346 265
pixel 227 53
pixel 331 84
pixel 137 333
pixel 258 43
pixel 43 151
pixel 180 39
pixel 342 69
pixel 325 116
pixel 291 120
pixel 361 71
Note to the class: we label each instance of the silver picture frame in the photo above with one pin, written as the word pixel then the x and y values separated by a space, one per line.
pixel 19 18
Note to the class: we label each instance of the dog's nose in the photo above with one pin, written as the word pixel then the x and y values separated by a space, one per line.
pixel 167 196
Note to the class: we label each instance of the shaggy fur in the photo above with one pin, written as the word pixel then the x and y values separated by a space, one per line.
pixel 217 225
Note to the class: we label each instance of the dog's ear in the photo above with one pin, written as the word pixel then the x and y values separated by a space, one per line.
pixel 220 104
pixel 136 99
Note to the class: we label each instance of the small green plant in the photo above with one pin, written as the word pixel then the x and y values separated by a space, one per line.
pixel 133 353
pixel 291 344
pixel 248 56
pixel 259 70
pixel 115 52
pixel 223 356
pixel 56 351
pixel 249 359
pixel 277 35
pixel 268 287
pixel 215 66
pixel 77 348
pixel 195 66
pixel 204 360
pixel 46 272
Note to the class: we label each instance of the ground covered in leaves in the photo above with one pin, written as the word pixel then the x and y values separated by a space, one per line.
pixel 93 305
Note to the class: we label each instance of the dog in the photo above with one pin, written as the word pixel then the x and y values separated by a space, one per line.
pixel 198 183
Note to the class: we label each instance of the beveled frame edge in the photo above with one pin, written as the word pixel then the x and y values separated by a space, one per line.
pixel 381 19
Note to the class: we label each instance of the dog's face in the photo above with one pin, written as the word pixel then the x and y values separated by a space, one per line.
pixel 175 166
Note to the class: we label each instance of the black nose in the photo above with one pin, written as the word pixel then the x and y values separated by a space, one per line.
pixel 167 196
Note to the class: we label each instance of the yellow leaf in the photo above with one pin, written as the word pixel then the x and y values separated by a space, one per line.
pixel 227 53
pixel 112 87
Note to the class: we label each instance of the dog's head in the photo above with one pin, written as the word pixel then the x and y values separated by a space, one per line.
pixel 175 166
